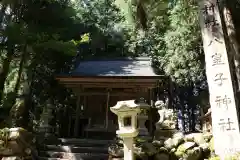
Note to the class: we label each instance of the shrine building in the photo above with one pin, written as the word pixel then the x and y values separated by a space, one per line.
pixel 100 83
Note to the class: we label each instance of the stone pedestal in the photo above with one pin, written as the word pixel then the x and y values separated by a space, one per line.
pixel 128 148
pixel 167 119
pixel 166 126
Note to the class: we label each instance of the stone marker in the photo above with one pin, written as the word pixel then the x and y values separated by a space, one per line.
pixel 225 124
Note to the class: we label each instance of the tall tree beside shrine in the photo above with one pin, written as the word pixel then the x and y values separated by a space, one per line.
pixel 32 34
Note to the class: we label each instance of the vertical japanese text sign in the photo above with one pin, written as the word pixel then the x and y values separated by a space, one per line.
pixel 224 113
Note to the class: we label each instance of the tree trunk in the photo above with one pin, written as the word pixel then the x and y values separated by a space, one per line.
pixel 181 112
pixel 27 92
pixel 19 75
pixel 21 66
pixel 193 117
pixel 5 68
pixel 2 13
pixel 233 45
pixel 233 41
pixel 28 104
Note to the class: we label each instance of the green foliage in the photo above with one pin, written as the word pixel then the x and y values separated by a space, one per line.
pixel 58 46
pixel 184 57
pixel 215 158
pixel 173 39
pixel 105 27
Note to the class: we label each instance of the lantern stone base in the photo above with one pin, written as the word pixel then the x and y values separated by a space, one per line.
pixel 143 132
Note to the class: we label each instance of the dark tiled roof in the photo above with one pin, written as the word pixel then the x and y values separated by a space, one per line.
pixel 115 67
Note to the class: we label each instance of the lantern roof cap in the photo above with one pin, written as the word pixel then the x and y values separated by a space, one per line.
pixel 128 105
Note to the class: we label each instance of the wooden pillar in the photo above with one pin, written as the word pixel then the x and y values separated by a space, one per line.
pixel 63 129
pixel 69 124
pixel 170 93
pixel 84 102
pixel 150 110
pixel 107 109
pixel 151 97
pixel 78 110
pixel 84 108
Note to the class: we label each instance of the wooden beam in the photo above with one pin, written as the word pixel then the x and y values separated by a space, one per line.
pixel 114 90
pixel 103 93
pixel 109 82
pixel 109 79
pixel 109 85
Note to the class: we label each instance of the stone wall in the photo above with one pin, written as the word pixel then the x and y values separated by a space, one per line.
pixel 16 143
pixel 194 146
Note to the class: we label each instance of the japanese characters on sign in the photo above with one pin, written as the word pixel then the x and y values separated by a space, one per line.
pixel 219 78
pixel 224 113
pixel 217 59
pixel 226 125
pixel 209 18
pixel 223 102
pixel 214 40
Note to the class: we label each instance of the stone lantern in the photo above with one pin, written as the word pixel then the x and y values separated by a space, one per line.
pixel 143 117
pixel 127 120
pixel 46 117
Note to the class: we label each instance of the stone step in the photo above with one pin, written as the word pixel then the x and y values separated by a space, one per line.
pixel 90 158
pixel 74 149
pixel 85 142
pixel 47 158
pixel 98 134
pixel 76 156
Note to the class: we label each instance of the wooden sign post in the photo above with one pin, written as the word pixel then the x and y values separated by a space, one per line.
pixel 225 124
